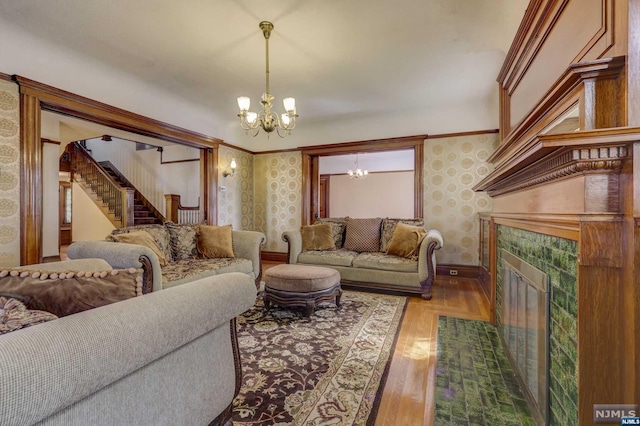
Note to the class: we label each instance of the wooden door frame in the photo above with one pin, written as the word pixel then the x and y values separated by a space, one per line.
pixel 310 165
pixel 327 188
pixel 36 97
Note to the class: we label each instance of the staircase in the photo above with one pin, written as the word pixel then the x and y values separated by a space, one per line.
pixel 116 197
pixel 142 213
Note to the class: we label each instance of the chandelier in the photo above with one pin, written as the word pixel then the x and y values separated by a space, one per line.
pixel 267 119
pixel 358 172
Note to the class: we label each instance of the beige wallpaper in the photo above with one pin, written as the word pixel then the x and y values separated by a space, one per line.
pixel 9 174
pixel 452 166
pixel 235 203
pixel 278 189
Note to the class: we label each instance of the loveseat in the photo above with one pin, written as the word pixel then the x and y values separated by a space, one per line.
pixel 370 265
pixel 165 358
pixel 178 246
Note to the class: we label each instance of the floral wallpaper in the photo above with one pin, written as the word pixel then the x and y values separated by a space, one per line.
pixel 278 196
pixel 9 174
pixel 452 166
pixel 236 200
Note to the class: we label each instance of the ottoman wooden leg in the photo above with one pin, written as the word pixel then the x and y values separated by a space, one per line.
pixel 267 303
pixel 338 296
pixel 311 304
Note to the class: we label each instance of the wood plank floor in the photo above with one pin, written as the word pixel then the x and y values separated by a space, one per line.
pixel 409 394
pixel 408 397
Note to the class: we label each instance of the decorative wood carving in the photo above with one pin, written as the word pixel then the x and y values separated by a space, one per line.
pixel 562 164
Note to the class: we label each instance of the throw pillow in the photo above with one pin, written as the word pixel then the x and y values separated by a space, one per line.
pixel 142 238
pixel 14 315
pixel 66 293
pixel 184 240
pixel 338 225
pixel 317 237
pixel 389 226
pixel 159 233
pixel 363 235
pixel 406 240
pixel 215 241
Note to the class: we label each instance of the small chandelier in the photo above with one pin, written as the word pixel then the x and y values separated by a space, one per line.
pixel 358 172
pixel 267 119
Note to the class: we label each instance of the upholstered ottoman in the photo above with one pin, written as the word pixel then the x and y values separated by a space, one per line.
pixel 301 286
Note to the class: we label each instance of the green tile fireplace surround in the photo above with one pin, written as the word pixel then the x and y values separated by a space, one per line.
pixel 557 257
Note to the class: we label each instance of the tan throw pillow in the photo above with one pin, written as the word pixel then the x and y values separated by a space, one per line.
pixel 142 238
pixel 406 240
pixel 215 241
pixel 317 237
pixel 66 293
pixel 363 235
pixel 389 226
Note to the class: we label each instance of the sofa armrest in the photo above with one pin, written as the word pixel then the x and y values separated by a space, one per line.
pixel 246 245
pixel 293 238
pixel 122 256
pixel 427 261
pixel 86 353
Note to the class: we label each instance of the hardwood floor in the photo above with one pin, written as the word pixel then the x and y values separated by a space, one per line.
pixel 408 397
pixel 409 394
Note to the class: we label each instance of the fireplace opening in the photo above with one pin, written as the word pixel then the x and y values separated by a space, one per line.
pixel 525 329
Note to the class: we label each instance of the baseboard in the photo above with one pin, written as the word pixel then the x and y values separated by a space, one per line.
pixel 464 271
pixel 49 259
pixel 273 256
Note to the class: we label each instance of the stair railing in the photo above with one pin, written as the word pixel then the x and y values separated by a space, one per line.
pixel 178 213
pixel 120 201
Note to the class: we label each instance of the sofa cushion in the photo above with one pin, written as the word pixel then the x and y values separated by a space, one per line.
pixel 192 269
pixel 183 240
pixel 317 237
pixel 14 315
pixel 142 238
pixel 406 240
pixel 66 293
pixel 389 226
pixel 340 257
pixel 338 226
pixel 363 235
pixel 215 241
pixel 159 233
pixel 385 262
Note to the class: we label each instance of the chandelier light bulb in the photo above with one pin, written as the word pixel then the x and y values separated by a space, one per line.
pixel 285 119
pixel 244 103
pixel 289 104
pixel 251 117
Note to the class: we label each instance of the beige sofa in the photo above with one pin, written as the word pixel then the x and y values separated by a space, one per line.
pixel 178 245
pixel 164 358
pixel 376 270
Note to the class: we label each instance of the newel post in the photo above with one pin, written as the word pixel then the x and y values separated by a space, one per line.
pixel 172 203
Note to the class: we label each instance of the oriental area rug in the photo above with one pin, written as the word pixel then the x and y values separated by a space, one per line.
pixel 475 384
pixel 329 369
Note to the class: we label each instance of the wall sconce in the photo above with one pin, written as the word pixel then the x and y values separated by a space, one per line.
pixel 232 168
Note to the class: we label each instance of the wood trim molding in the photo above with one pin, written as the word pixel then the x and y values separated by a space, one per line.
pixel 5 77
pixel 228 145
pixel 461 271
pixel 67 103
pixel 390 144
pixel 273 256
pixel 45 140
pixel 30 181
pixel 571 82
pixel 460 134
pixel 567 226
pixel 310 173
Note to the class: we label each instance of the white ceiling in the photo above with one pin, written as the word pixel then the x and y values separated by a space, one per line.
pixel 336 57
